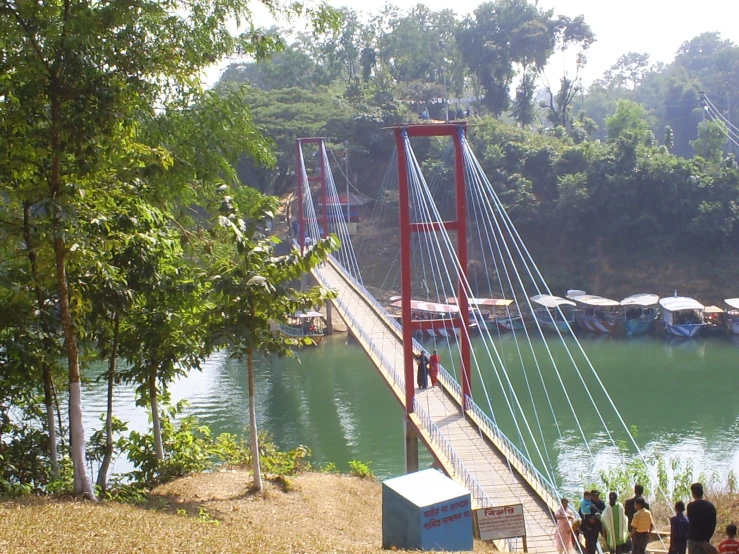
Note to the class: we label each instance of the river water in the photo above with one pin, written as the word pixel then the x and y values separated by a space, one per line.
pixel 680 396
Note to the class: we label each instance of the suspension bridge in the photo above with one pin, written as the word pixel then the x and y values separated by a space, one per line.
pixel 515 377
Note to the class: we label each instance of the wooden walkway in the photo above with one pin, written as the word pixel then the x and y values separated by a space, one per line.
pixel 468 448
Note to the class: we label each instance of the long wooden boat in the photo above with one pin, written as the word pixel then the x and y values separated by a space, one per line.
pixel 733 314
pixel 554 313
pixel 639 312
pixel 495 313
pixel 595 313
pixel 682 316
pixel 431 319
pixel 303 325
pixel 715 320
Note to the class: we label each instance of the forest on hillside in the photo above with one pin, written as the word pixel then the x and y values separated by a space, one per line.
pixel 633 165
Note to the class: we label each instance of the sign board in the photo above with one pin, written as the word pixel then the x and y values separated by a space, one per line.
pixel 500 522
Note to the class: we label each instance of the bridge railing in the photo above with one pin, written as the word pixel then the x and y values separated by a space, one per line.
pixel 524 466
pixel 440 440
pixel 522 463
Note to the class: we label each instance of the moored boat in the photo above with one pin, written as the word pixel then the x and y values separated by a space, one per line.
pixel 496 313
pixel 595 313
pixel 682 316
pixel 733 314
pixel 302 325
pixel 639 312
pixel 554 313
pixel 432 319
pixel 715 320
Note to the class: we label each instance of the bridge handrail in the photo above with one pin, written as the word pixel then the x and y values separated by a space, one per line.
pixel 527 469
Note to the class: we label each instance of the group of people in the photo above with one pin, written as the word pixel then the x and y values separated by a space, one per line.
pixel 627 527
pixel 428 367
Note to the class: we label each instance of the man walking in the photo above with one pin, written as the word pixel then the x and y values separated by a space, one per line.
pixel 641 525
pixel 701 522
pixel 615 525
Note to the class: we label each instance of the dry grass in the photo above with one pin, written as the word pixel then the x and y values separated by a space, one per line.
pixel 323 513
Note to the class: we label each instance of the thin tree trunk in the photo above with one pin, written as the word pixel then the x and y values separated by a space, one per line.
pixel 256 467
pixel 82 482
pixel 102 480
pixel 158 446
pixel 48 344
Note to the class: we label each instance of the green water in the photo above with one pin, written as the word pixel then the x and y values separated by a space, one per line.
pixel 681 396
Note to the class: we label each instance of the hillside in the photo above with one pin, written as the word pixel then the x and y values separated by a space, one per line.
pixel 321 513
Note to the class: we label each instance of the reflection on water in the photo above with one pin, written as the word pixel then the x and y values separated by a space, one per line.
pixel 679 394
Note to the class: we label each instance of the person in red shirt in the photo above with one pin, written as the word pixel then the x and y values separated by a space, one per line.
pixel 434 362
pixel 730 545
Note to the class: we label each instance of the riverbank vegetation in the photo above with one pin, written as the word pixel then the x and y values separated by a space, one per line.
pixel 642 192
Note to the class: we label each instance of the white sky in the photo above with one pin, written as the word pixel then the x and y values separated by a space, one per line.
pixel 657 27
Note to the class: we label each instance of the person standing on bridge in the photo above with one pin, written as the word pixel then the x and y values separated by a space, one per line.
pixel 615 525
pixel 434 362
pixel 642 525
pixel 422 378
pixel 565 518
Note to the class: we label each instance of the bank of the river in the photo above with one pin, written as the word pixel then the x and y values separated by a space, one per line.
pixel 207 513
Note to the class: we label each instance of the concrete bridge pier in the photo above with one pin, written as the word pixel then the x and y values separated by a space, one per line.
pixel 411 445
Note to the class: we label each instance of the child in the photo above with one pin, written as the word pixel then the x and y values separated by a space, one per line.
pixel 585 505
pixel 679 530
pixel 730 545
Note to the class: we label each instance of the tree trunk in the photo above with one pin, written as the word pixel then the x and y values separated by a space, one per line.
pixel 82 482
pixel 47 340
pixel 256 468
pixel 158 446
pixel 102 480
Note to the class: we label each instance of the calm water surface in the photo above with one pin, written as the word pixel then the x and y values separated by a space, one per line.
pixel 681 396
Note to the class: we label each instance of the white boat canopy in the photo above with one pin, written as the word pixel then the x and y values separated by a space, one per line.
pixel 494 302
pixel 713 310
pixel 641 300
pixel 675 303
pixel 431 307
pixel 306 315
pixel 592 300
pixel 549 301
pixel 733 302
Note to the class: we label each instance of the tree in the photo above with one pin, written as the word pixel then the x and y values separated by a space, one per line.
pixel 254 288
pixel 77 79
pixel 571 33
pixel 629 121
pixel 711 140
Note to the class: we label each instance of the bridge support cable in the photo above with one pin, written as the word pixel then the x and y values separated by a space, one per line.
pixel 484 228
pixel 439 253
pixel 492 355
pixel 536 277
pixel 336 216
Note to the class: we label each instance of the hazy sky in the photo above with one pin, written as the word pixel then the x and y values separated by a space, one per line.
pixel 657 27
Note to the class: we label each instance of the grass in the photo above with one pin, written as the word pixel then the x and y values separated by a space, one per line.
pixel 207 513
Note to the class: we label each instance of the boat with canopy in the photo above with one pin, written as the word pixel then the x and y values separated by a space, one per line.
pixel 432 319
pixel 496 313
pixel 554 313
pixel 715 320
pixel 733 314
pixel 302 325
pixel 639 312
pixel 595 313
pixel 682 316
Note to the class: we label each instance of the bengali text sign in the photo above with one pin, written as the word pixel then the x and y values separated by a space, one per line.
pixel 501 522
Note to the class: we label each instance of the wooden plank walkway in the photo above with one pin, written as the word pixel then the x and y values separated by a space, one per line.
pixel 457 442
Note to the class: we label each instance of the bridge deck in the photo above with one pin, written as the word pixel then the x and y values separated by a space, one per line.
pixel 457 442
